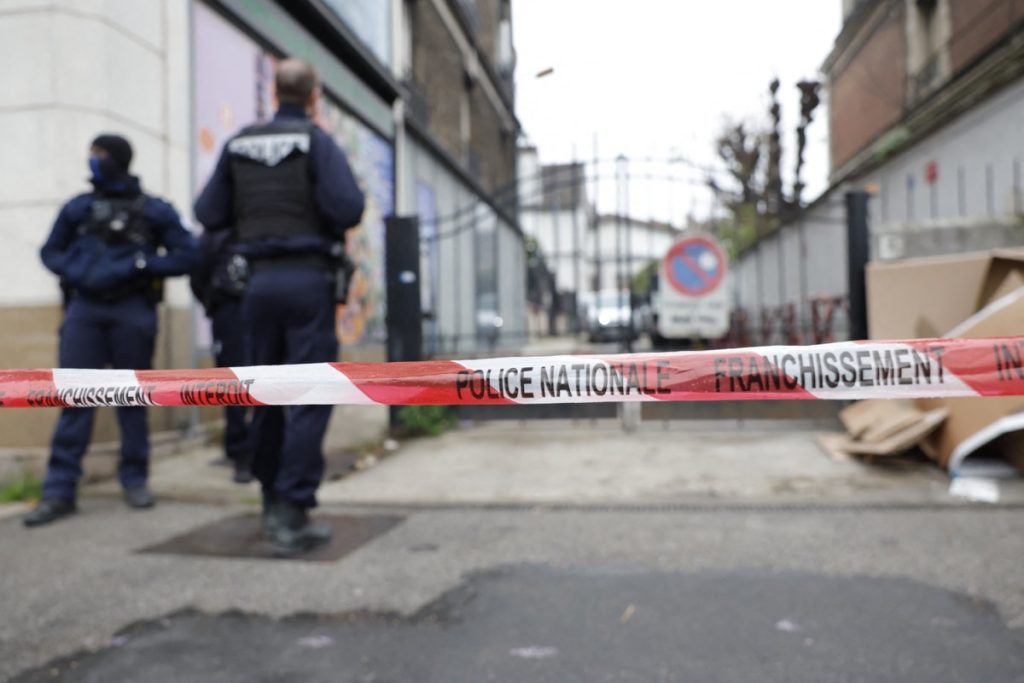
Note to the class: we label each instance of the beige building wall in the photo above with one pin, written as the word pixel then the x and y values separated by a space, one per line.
pixel 73 69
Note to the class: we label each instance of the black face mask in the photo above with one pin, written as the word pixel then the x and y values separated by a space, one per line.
pixel 104 170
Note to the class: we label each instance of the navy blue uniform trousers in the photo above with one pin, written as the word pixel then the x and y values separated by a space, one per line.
pixel 119 334
pixel 229 347
pixel 289 318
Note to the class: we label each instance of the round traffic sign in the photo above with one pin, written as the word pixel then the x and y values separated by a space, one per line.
pixel 695 266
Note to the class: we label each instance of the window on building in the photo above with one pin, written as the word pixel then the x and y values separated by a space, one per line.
pixel 927 34
pixel 465 120
pixel 506 56
pixel 470 12
pixel 403 65
pixel 371 21
pixel 926 30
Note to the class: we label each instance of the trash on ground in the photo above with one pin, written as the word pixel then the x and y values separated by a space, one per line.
pixel 877 428
pixel 628 613
pixel 975 489
pixel 534 652
pixel 973 295
pixel 315 642
pixel 787 626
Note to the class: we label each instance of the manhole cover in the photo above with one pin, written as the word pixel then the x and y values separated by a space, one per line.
pixel 242 537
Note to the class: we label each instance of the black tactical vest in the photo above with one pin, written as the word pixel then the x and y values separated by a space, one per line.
pixel 118 220
pixel 273 190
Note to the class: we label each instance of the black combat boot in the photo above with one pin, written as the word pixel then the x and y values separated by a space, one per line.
pixel 292 532
pixel 49 510
pixel 243 471
pixel 139 498
pixel 270 518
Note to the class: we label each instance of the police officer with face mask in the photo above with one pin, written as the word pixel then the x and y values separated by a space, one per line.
pixel 219 283
pixel 111 248
pixel 287 190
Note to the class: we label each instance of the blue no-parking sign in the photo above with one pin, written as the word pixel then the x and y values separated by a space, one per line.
pixel 695 266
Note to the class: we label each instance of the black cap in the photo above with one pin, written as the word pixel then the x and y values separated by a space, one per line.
pixel 119 149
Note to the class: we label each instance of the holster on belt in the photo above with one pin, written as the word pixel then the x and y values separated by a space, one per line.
pixel 344 271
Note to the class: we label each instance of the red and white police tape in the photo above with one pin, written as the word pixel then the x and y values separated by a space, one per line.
pixel 917 368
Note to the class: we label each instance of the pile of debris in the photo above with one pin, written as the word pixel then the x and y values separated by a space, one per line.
pixel 876 429
pixel 964 296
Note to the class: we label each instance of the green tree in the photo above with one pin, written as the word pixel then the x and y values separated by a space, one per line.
pixel 754 196
pixel 743 197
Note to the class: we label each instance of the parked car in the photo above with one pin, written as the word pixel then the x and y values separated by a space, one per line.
pixel 608 316
pixel 488 321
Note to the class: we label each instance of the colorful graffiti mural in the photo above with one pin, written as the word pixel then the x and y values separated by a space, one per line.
pixel 372 161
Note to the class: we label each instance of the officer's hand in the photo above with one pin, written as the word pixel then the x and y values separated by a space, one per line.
pixel 83 259
pixel 111 272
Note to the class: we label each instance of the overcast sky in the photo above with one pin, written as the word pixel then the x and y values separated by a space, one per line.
pixel 658 77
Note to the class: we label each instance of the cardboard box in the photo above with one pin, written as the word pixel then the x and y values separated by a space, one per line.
pixel 929 297
pixel 975 422
pixel 968 296
pixel 899 441
pixel 876 420
pixel 879 428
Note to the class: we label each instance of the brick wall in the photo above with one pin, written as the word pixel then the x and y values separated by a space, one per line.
pixel 489 13
pixel 437 68
pixel 495 154
pixel 867 86
pixel 977 25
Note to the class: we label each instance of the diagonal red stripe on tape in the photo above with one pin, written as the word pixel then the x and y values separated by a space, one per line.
pixel 717 376
pixel 991 367
pixel 209 387
pixel 27 388
pixel 420 383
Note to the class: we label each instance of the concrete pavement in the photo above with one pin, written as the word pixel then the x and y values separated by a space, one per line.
pixel 596 463
pixel 593 463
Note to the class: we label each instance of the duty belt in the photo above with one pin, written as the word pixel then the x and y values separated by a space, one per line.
pixel 313 261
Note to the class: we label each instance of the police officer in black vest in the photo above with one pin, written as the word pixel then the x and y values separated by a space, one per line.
pixel 287 190
pixel 219 283
pixel 111 247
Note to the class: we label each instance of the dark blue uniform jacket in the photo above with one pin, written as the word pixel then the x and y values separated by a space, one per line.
pixel 87 264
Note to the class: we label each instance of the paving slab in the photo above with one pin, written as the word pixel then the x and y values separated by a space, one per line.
pixel 597 463
pixel 200 475
pixel 242 536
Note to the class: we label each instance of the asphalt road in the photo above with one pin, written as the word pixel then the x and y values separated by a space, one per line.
pixel 592 624
pixel 469 594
